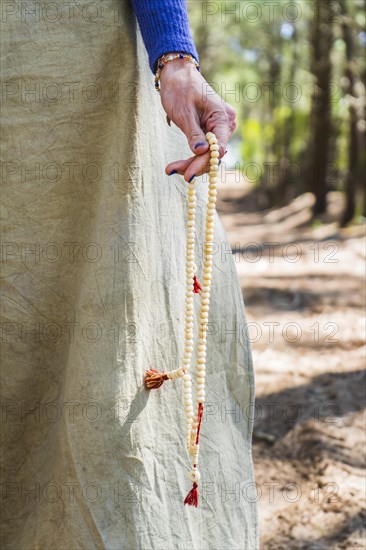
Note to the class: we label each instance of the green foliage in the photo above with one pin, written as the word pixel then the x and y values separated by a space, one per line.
pixel 252 141
pixel 244 46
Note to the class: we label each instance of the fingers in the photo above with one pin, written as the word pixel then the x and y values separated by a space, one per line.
pixel 178 166
pixel 221 122
pixel 194 166
pixel 196 137
pixel 199 165
pixel 219 119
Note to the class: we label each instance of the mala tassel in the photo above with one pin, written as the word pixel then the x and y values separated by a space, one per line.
pixel 154 379
pixel 196 285
pixel 192 497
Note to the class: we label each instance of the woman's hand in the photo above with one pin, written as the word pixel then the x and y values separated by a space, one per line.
pixel 196 109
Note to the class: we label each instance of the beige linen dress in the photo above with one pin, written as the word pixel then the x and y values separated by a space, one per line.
pixel 93 274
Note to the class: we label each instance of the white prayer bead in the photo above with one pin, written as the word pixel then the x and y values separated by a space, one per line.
pixel 190 306
pixel 194 476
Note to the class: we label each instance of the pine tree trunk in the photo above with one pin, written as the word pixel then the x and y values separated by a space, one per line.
pixel 282 187
pixel 320 117
pixel 351 176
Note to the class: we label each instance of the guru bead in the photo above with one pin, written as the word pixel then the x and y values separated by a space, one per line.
pixel 194 475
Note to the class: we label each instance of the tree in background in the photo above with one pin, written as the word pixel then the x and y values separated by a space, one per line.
pixel 321 40
pixel 354 92
pixel 252 53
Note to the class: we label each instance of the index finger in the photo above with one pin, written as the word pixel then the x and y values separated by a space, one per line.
pixel 222 124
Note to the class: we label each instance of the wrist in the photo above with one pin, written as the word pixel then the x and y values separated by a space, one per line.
pixel 175 62
pixel 176 66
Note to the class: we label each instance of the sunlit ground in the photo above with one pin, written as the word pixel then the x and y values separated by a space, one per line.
pixel 304 297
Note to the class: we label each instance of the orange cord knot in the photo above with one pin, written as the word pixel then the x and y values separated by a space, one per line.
pixel 196 285
pixel 154 379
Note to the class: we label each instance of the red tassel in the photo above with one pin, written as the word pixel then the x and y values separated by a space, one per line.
pixel 192 497
pixel 196 285
pixel 154 379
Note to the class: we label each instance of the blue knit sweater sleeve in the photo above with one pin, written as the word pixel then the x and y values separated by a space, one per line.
pixel 164 28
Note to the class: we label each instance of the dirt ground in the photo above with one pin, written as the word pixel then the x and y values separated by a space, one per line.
pixel 303 287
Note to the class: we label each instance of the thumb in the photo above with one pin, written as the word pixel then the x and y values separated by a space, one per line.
pixel 194 133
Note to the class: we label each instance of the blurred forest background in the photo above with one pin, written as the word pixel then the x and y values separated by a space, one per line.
pixel 295 73
pixel 292 201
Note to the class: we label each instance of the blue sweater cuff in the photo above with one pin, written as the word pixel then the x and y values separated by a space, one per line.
pixel 164 28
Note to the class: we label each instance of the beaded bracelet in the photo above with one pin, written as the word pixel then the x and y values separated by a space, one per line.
pixel 155 379
pixel 164 59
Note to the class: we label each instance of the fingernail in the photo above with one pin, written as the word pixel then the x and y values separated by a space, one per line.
pixel 172 172
pixel 199 144
pixel 194 175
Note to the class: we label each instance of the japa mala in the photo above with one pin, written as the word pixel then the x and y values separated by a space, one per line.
pixel 154 379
